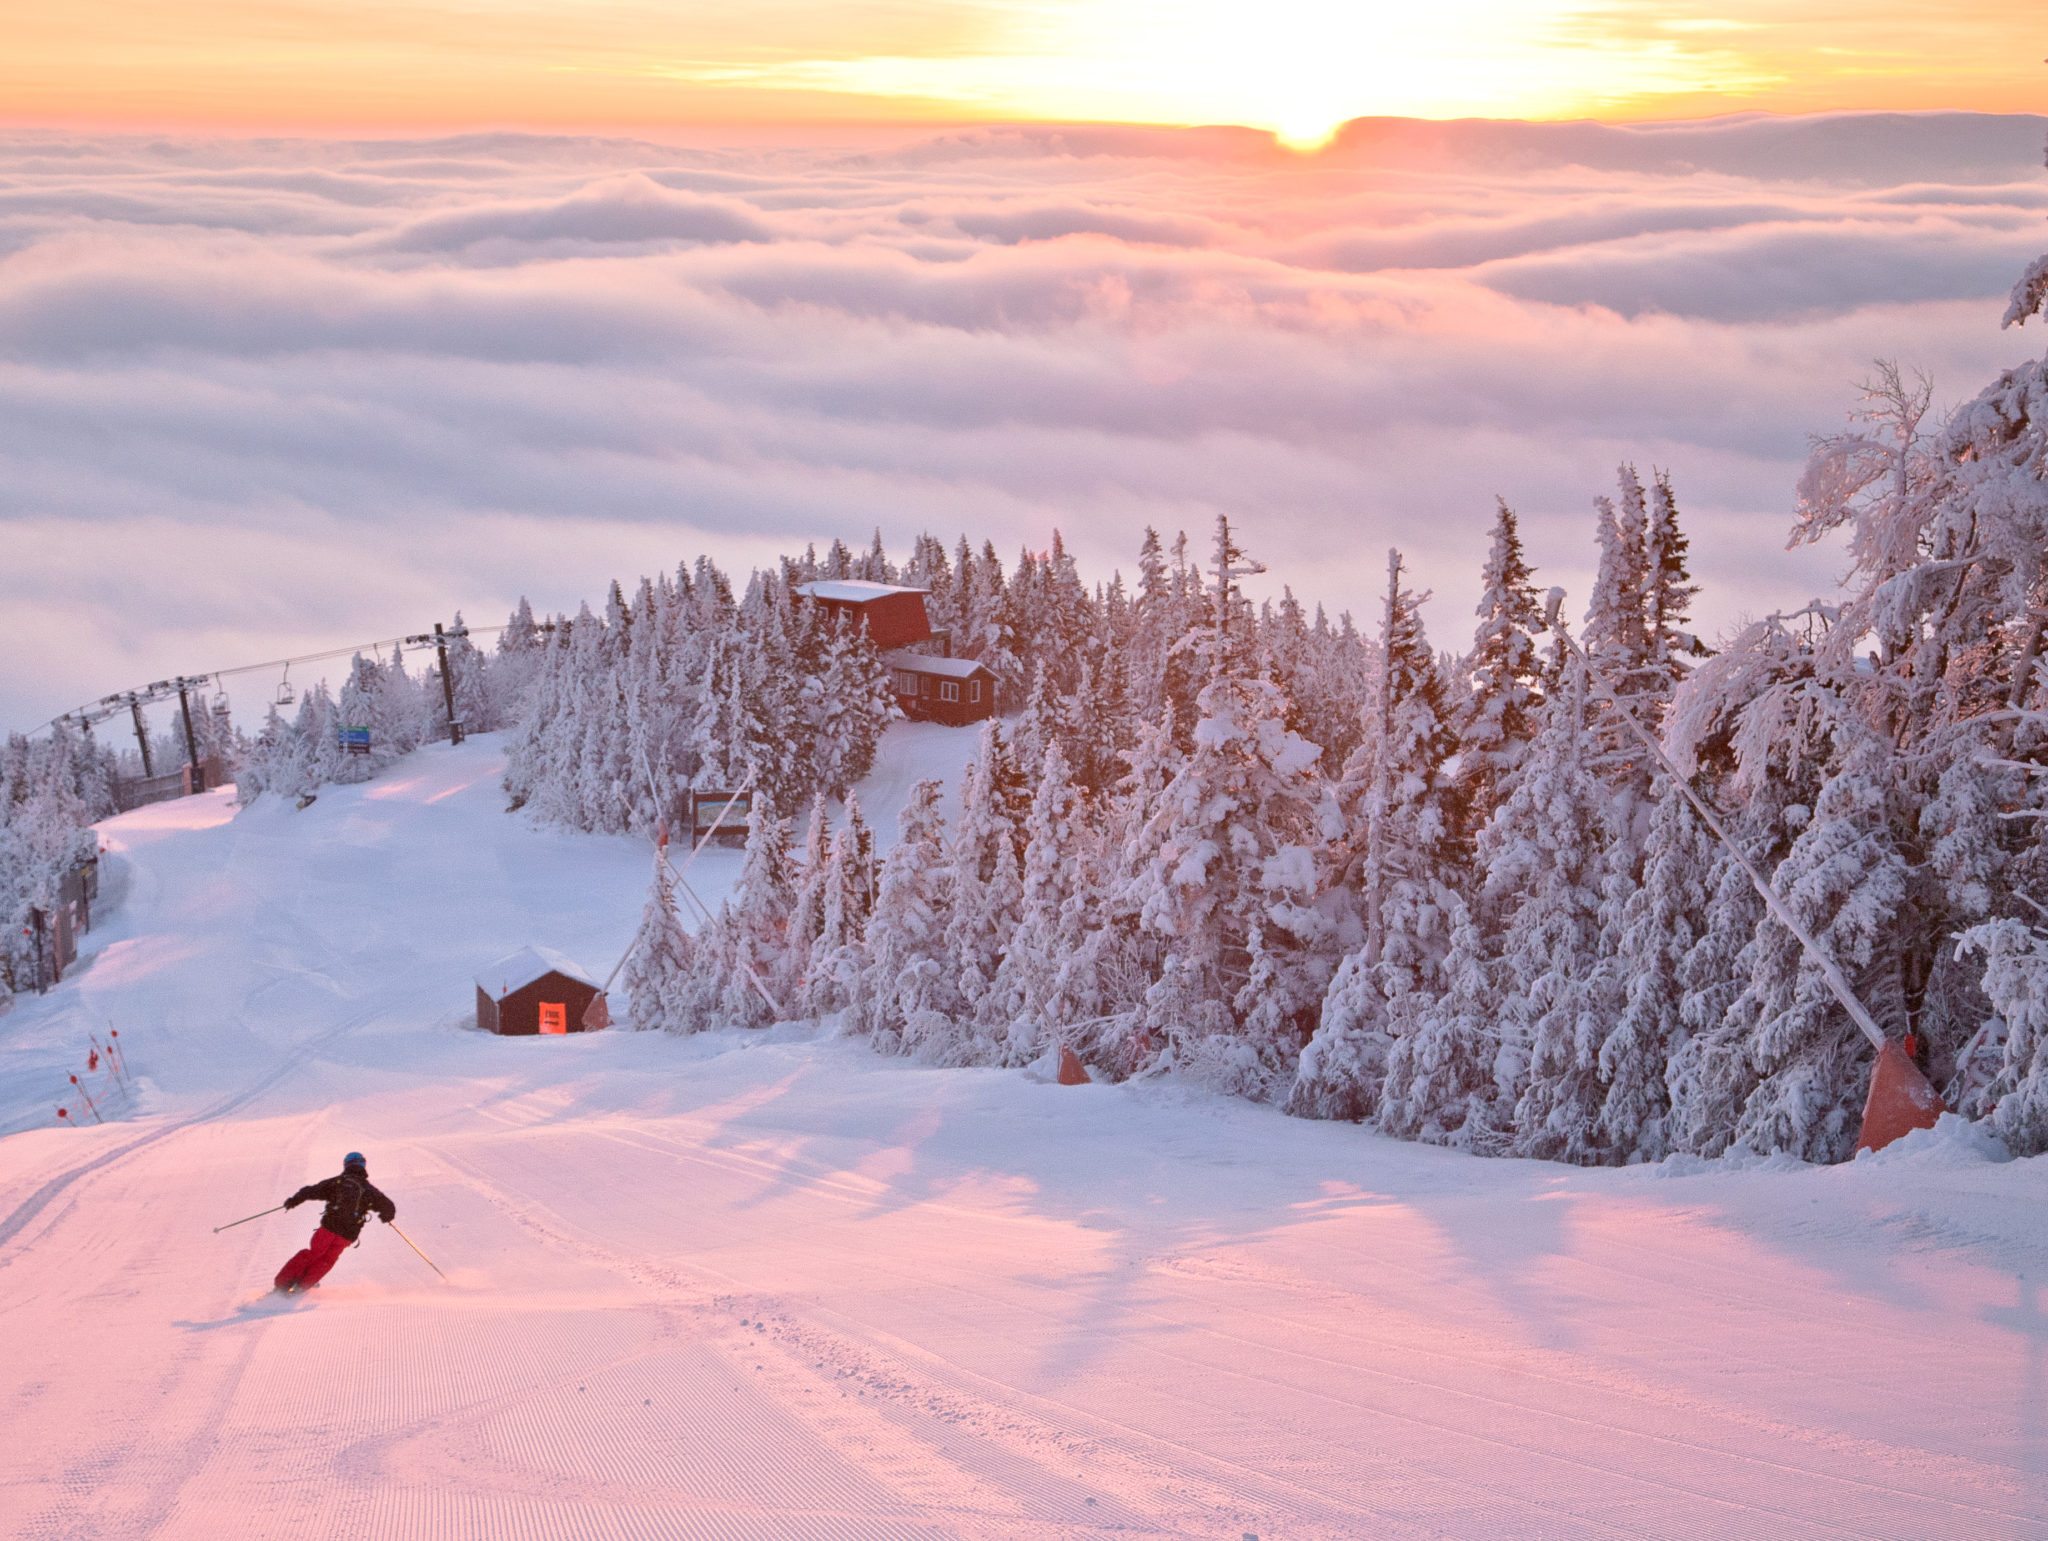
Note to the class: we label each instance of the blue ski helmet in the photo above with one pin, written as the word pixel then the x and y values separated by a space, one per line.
pixel 354 1158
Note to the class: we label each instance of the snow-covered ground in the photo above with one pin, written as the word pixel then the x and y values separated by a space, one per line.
pixel 770 1285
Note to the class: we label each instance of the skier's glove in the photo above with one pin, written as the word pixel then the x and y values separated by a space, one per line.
pixel 293 1202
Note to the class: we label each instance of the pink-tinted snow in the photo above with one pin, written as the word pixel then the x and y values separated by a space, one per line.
pixel 771 1285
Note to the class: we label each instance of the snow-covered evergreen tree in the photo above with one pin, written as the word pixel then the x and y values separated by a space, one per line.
pixel 1548 853
pixel 1046 980
pixel 1617 637
pixel 985 888
pixel 1844 878
pixel 2016 985
pixel 837 957
pixel 807 909
pixel 398 710
pixel 1668 594
pixel 1502 673
pixel 318 757
pixel 757 925
pixel 901 994
pixel 1398 820
pixel 1708 1076
pixel 1441 1085
pixel 1650 930
pixel 1232 847
pixel 658 968
pixel 357 708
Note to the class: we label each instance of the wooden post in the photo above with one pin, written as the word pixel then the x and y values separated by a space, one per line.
pixel 447 686
pixel 141 735
pixel 195 780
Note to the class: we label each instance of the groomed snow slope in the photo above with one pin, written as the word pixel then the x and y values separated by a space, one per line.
pixel 769 1285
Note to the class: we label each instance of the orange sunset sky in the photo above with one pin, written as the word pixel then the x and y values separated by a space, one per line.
pixel 1297 67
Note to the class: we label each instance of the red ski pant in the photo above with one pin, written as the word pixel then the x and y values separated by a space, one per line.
pixel 309 1267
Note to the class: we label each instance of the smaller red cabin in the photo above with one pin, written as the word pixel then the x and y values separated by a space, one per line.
pixel 950 690
pixel 535 990
pixel 894 616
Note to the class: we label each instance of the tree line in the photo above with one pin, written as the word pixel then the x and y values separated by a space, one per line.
pixel 1449 895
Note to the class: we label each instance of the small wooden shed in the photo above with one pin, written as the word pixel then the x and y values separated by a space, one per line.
pixel 933 689
pixel 535 990
pixel 54 932
pixel 894 615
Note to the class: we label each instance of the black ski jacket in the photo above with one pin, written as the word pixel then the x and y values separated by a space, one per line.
pixel 349 1199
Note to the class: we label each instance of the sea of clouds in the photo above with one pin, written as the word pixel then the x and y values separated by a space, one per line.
pixel 265 396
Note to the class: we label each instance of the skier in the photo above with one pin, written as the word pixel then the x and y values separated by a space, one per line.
pixel 349 1199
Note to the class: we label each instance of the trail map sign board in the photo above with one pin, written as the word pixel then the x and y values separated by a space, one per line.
pixel 356 740
pixel 728 812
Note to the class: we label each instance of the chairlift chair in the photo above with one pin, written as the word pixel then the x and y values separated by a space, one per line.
pixel 285 694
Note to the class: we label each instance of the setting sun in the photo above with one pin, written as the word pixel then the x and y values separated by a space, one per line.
pixel 1298 68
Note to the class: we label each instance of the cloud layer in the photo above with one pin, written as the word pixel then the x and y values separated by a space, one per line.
pixel 258 397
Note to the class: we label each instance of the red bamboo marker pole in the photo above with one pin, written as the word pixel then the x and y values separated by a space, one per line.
pixel 64 1117
pixel 88 1100
pixel 102 1058
pixel 106 1052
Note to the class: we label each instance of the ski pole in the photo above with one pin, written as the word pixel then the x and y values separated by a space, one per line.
pixel 423 1256
pixel 247 1218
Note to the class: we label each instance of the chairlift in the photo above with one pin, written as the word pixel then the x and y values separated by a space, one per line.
pixel 220 698
pixel 285 694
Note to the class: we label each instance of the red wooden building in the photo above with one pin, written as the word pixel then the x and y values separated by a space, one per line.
pixel 536 990
pixel 929 686
pixel 933 689
pixel 894 615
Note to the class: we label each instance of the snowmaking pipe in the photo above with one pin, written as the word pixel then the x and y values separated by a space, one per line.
pixel 1830 971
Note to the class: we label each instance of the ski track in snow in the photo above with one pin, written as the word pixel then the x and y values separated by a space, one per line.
pixel 770 1285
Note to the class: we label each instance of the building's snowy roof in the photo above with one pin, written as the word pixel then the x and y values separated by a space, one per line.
pixel 853 591
pixel 926 663
pixel 523 968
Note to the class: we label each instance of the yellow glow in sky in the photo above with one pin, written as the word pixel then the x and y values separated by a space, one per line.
pixel 1297 67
